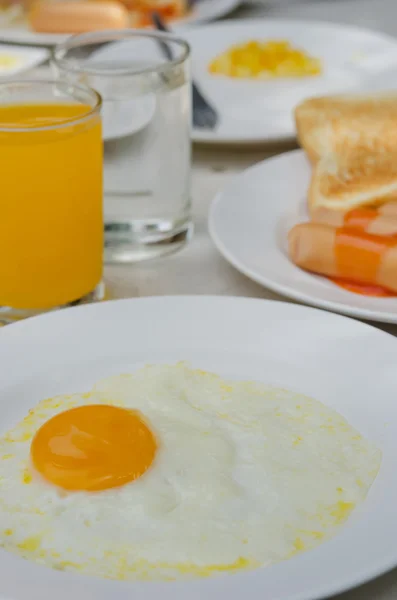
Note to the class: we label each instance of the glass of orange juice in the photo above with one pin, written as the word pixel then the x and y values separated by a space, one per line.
pixel 51 225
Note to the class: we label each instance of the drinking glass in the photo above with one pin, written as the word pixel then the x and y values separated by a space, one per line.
pixel 51 226
pixel 146 130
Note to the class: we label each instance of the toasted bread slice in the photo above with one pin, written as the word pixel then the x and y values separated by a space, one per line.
pixel 339 124
pixel 354 179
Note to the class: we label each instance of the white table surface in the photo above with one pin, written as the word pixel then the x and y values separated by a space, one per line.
pixel 198 268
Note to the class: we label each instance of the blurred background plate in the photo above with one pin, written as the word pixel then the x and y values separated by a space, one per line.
pixel 14 60
pixel 122 118
pixel 253 111
pixel 204 10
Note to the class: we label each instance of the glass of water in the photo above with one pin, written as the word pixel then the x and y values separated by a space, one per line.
pixel 144 81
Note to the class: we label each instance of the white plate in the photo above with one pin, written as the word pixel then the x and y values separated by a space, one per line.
pixel 309 351
pixel 249 222
pixel 205 10
pixel 261 111
pixel 127 116
pixel 122 118
pixel 21 59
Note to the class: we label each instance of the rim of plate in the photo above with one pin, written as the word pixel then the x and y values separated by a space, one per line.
pixel 223 8
pixel 210 137
pixel 104 305
pixel 216 587
pixel 271 284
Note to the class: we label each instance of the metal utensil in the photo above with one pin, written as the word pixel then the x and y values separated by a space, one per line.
pixel 204 115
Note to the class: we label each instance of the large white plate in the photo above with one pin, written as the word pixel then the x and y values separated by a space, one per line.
pixel 261 111
pixel 204 10
pixel 249 222
pixel 306 350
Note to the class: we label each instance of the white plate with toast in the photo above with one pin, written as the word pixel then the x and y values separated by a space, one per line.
pixel 16 28
pixel 261 110
pixel 249 222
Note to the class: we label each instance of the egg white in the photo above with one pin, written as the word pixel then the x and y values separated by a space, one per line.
pixel 245 475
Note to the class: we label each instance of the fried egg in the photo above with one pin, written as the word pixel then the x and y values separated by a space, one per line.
pixel 172 472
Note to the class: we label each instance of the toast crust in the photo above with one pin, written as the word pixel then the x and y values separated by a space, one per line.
pixel 355 179
pixel 351 141
pixel 339 124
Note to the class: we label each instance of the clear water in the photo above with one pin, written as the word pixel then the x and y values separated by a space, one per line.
pixel 146 175
pixel 146 126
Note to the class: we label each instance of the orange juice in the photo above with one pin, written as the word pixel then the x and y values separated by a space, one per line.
pixel 51 221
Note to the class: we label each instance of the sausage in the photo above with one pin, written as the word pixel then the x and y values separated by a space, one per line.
pixel 339 252
pixel 390 208
pixel 311 246
pixel 370 220
pixel 74 16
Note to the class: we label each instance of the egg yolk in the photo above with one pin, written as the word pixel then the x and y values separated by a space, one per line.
pixel 93 447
